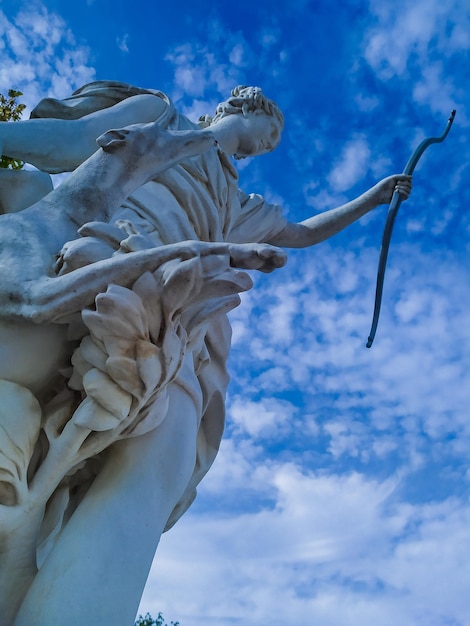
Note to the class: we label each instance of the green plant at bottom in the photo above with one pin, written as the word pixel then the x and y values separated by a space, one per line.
pixel 149 621
pixel 11 111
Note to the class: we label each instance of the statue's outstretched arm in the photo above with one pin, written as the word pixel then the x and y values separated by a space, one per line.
pixel 325 225
pixel 55 145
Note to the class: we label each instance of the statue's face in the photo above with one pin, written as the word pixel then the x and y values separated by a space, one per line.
pixel 258 133
pixel 250 135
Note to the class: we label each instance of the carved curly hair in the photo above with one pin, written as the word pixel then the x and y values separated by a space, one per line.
pixel 245 100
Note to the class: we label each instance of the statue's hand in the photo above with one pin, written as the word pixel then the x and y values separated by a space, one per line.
pixel 383 190
pixel 257 256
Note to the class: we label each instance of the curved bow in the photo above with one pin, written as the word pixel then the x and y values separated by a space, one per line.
pixel 392 213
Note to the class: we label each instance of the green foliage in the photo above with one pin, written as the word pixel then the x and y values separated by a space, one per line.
pixel 149 621
pixel 11 111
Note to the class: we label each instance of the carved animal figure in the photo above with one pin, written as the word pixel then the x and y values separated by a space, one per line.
pixel 30 241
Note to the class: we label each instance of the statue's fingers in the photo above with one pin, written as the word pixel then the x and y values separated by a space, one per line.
pixel 134 243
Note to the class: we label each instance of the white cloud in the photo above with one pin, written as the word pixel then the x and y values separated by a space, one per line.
pixel 416 39
pixel 205 75
pixel 268 417
pixel 309 337
pixel 209 67
pixel 123 43
pixel 237 55
pixel 352 165
pixel 346 438
pixel 338 549
pixel 270 36
pixel 40 56
pixel 366 102
pixel 435 89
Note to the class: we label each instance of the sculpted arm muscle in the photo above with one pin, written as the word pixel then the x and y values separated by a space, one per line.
pixel 322 226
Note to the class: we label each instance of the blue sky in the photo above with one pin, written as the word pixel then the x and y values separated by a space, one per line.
pixel 340 496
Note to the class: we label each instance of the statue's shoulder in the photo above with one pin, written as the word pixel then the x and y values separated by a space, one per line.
pixel 93 97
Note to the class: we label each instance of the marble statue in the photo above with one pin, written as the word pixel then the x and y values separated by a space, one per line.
pixel 114 333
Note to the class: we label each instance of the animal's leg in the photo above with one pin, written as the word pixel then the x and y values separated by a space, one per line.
pixel 52 299
pixel 256 256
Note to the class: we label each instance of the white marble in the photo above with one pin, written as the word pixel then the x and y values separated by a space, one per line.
pixel 114 336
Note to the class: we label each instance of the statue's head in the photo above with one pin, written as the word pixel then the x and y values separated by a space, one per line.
pixel 254 106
